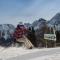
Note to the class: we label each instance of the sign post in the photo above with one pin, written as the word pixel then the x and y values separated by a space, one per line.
pixel 50 37
pixel 46 43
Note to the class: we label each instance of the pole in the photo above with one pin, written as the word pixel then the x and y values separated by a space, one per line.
pixel 54 33
pixel 46 43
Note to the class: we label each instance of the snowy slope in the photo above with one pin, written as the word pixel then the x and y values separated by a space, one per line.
pixel 7 29
pixel 39 23
pixel 6 26
pixel 55 21
pixel 48 57
pixel 14 53
pixel 27 25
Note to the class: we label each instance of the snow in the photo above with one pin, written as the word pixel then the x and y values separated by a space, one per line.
pixel 49 57
pixel 12 53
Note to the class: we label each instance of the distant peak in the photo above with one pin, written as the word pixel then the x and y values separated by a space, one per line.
pixel 58 14
pixel 55 19
pixel 41 19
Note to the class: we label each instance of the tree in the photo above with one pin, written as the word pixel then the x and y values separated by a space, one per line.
pixel 31 35
pixel 34 37
pixel 58 36
pixel 40 35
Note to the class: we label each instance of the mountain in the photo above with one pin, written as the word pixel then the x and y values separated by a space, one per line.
pixel 27 25
pixel 6 32
pixel 55 20
pixel 39 23
pixel 7 29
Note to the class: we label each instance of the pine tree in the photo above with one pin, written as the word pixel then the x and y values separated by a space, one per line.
pixel 31 35
pixel 34 37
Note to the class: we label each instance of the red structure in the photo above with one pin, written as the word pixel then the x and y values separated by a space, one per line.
pixel 20 31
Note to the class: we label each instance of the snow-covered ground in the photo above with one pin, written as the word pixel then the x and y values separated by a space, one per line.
pixel 15 53
pixel 10 52
pixel 48 57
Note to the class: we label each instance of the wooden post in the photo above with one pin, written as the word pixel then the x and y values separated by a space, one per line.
pixel 55 44
pixel 46 43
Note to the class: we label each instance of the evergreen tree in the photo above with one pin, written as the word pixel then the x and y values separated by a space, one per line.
pixel 31 35
pixel 34 37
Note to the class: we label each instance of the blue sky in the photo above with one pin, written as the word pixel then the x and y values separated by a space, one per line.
pixel 14 11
